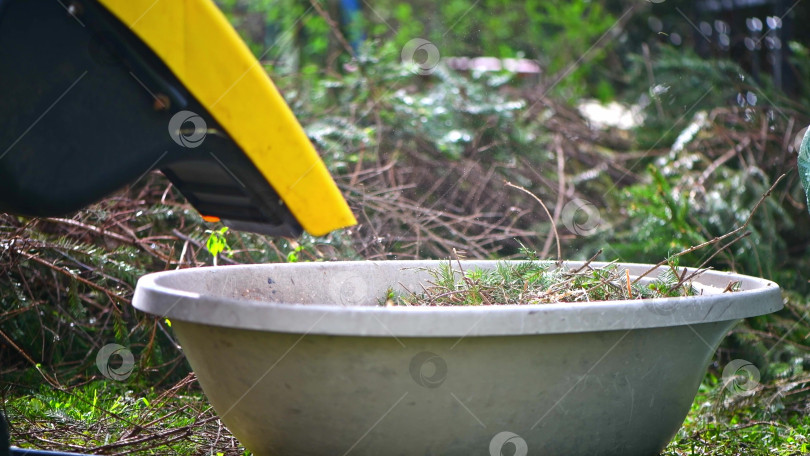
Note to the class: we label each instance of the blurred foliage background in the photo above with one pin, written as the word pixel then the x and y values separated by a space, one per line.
pixel 717 100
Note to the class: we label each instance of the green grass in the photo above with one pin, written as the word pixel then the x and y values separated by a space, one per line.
pixel 106 417
pixel 761 426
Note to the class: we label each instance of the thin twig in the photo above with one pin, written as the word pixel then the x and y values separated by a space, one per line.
pixel 22 352
pixel 587 263
pixel 553 225
pixel 717 239
pixel 334 27
pixel 110 294
pixel 629 288
pixel 560 189
pixel 700 269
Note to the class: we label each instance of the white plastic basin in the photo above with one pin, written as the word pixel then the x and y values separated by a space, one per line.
pixel 300 359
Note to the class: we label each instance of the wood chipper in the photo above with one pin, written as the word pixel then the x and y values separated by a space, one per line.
pixel 96 93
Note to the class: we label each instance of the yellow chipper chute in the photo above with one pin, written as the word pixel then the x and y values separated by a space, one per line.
pixel 95 93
